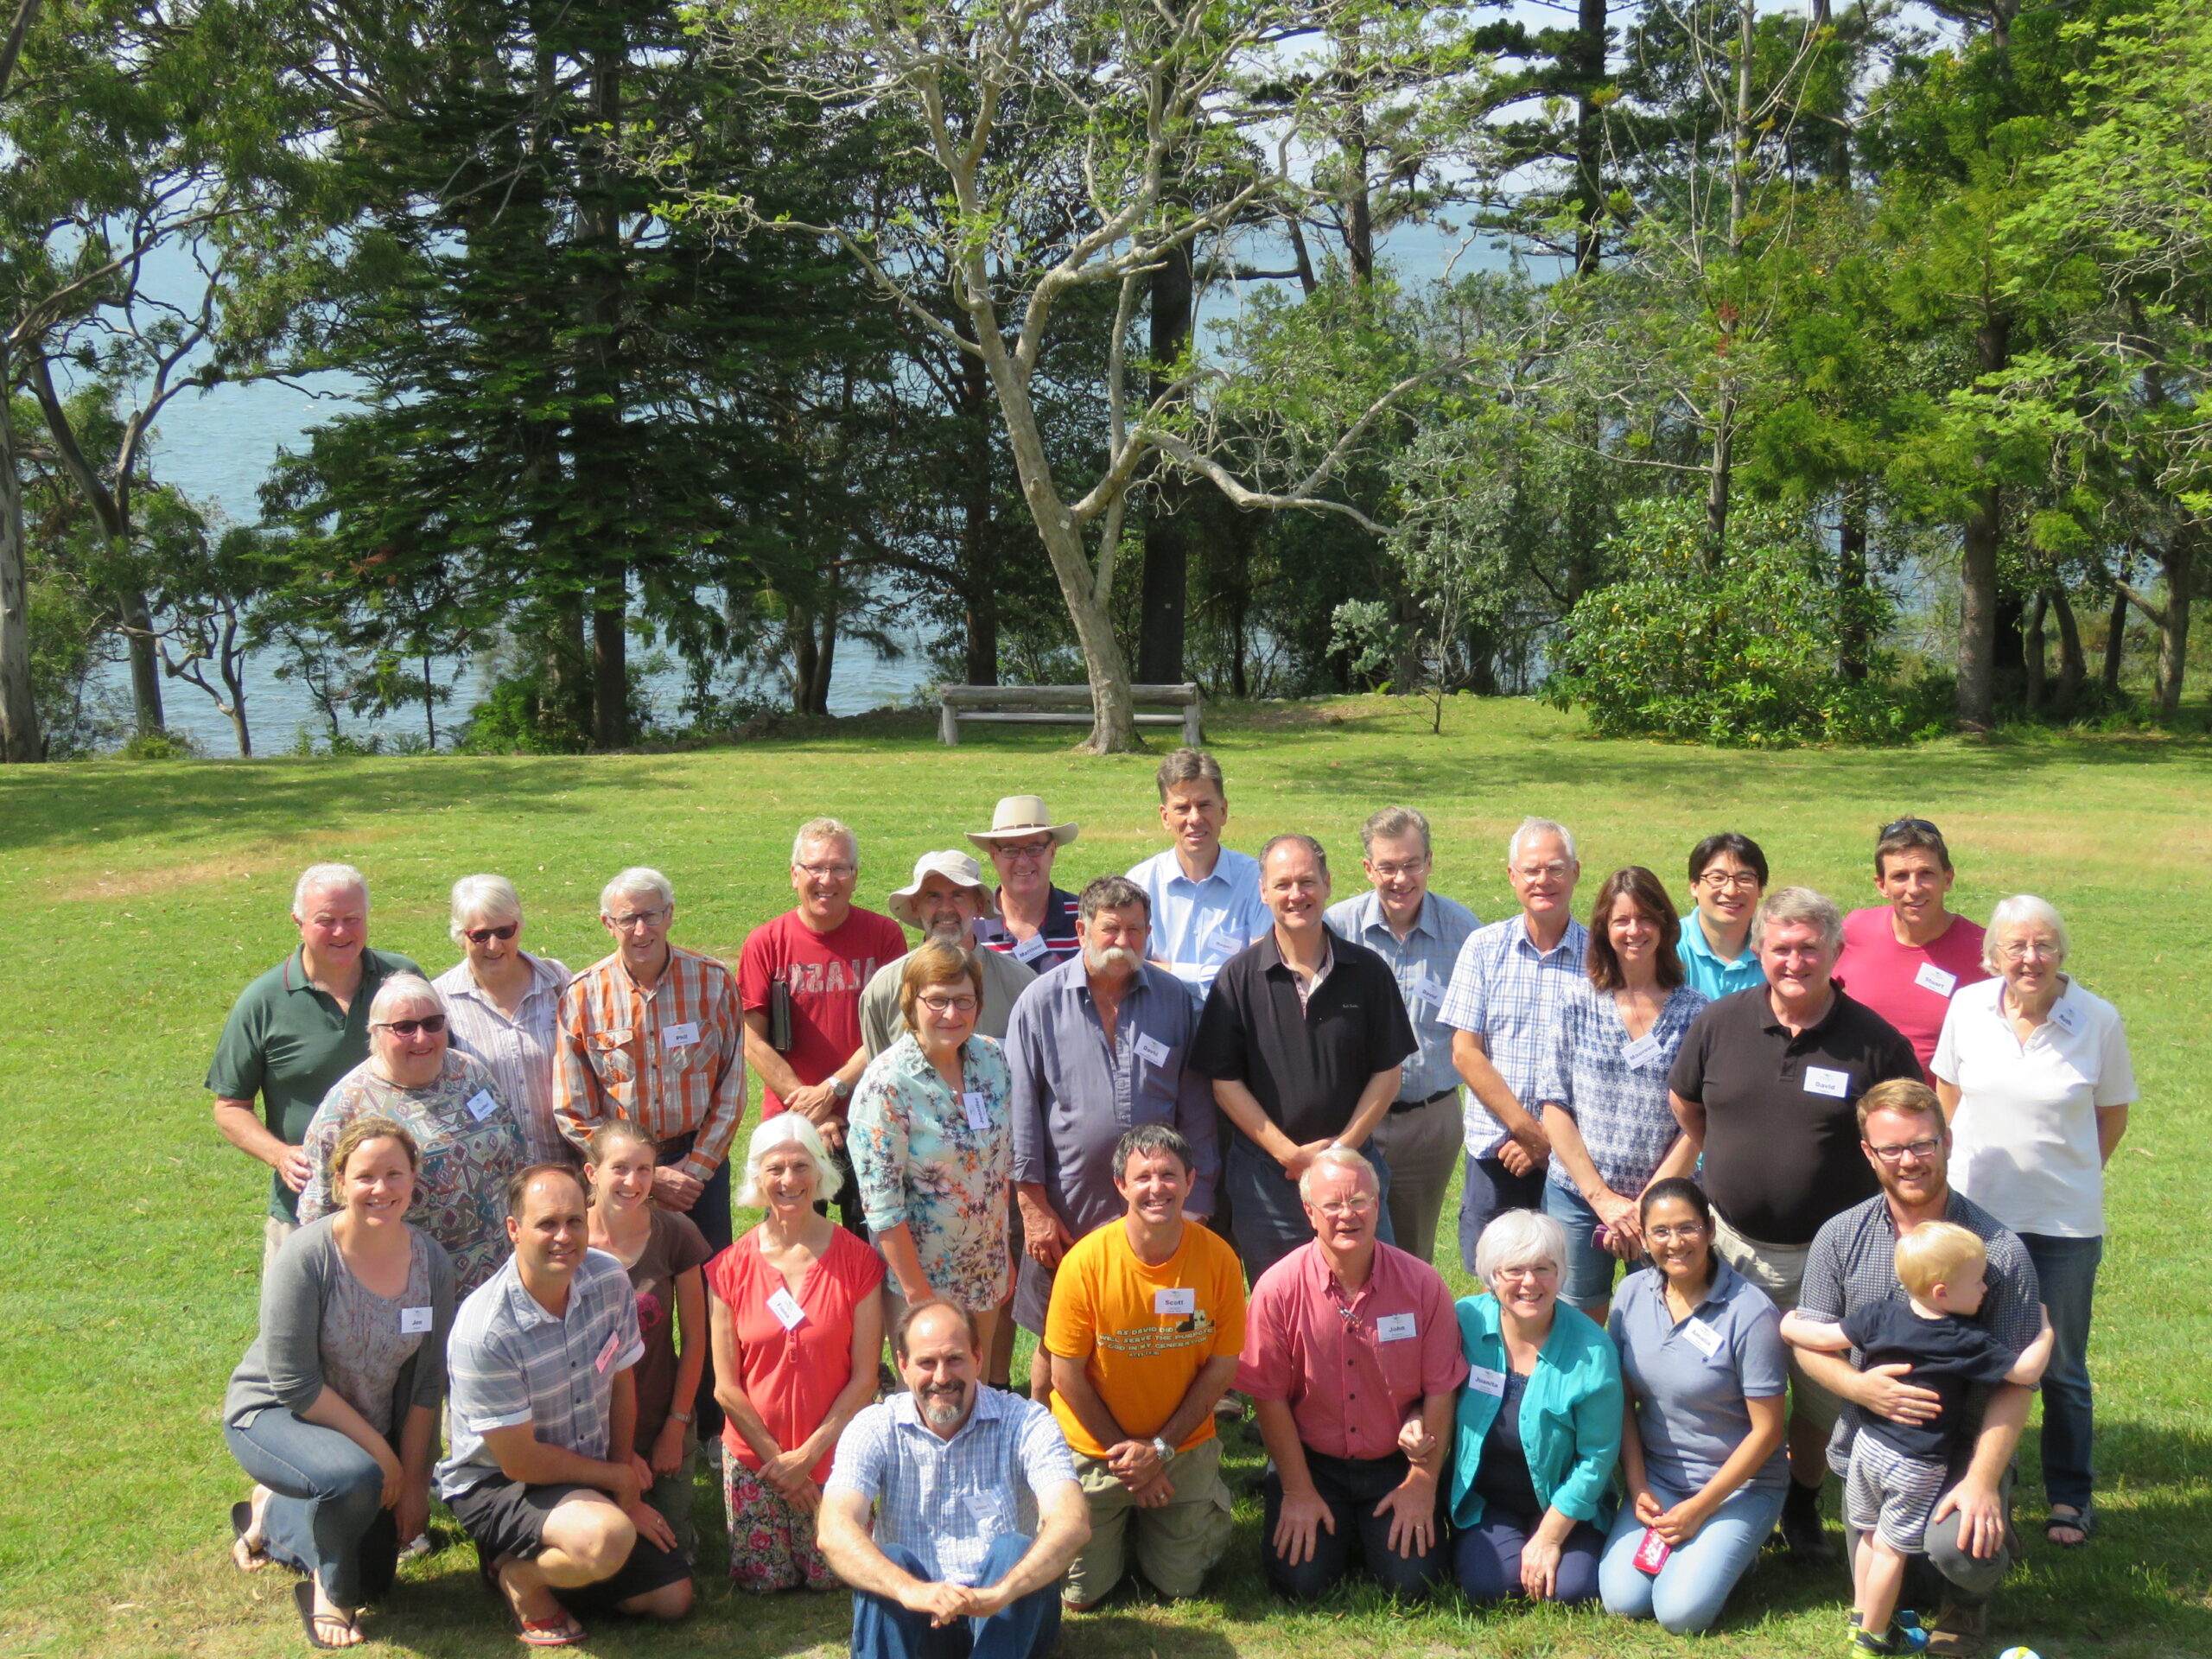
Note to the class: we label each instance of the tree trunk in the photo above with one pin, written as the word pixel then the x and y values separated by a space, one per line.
pixel 1973 702
pixel 825 661
pixel 2115 644
pixel 1853 646
pixel 145 662
pixel 599 424
pixel 610 667
pixel 1589 71
pixel 19 735
pixel 2179 563
pixel 2033 659
pixel 2073 670
pixel 1166 543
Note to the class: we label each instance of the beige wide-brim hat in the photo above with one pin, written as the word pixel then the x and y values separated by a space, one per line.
pixel 1023 815
pixel 951 862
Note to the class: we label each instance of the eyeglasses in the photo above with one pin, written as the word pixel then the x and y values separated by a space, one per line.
pixel 1392 872
pixel 828 872
pixel 1021 852
pixel 429 1025
pixel 639 918
pixel 1557 872
pixel 1919 1151
pixel 1358 1206
pixel 1742 881
pixel 949 1004
pixel 1920 824
pixel 484 935
pixel 1688 1232
pixel 2021 950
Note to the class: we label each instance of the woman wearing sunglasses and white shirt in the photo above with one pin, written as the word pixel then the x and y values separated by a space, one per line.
pixel 504 1005
pixel 470 1142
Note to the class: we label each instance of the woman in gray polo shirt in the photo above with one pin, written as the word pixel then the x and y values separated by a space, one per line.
pixel 1702 1357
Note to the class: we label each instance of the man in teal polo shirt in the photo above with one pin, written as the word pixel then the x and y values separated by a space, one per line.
pixel 297 1030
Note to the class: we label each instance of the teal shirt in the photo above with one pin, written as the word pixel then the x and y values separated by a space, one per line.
pixel 1570 1415
pixel 1708 972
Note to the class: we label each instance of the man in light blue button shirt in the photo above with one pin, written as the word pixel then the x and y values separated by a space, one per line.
pixel 1205 898
pixel 1419 933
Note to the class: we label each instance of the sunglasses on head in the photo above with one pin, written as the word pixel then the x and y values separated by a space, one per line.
pixel 1920 824
pixel 430 1025
pixel 484 934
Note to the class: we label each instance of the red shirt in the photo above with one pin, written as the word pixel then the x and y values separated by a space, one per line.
pixel 792 1376
pixel 1350 1384
pixel 826 973
pixel 1909 985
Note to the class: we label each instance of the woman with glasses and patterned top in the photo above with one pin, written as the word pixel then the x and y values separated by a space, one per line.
pixel 504 1005
pixel 1701 1459
pixel 1727 879
pixel 932 1142
pixel 469 1143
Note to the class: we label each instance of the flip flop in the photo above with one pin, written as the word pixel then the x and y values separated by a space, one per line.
pixel 564 1632
pixel 2083 1521
pixel 241 1523
pixel 303 1599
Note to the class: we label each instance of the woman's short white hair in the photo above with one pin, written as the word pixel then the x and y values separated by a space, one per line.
pixel 636 881
pixel 788 1129
pixel 329 878
pixel 2021 910
pixel 403 990
pixel 1519 1238
pixel 492 897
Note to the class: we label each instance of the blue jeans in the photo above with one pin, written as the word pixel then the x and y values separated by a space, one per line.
pixel 1586 1275
pixel 1267 1219
pixel 1486 1559
pixel 1490 1190
pixel 1021 1629
pixel 1690 1590
pixel 2067 1270
pixel 327 1517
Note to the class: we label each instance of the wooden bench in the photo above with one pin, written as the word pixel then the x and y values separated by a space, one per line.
pixel 1056 705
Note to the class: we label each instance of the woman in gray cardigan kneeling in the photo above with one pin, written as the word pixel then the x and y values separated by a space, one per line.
pixel 333 1410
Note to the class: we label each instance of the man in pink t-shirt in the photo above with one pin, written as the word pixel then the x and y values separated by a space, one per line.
pixel 1904 959
pixel 821 954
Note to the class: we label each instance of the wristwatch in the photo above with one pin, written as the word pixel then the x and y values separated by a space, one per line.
pixel 840 1088
pixel 1167 1452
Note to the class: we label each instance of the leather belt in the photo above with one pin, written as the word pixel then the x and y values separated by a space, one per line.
pixel 1397 1106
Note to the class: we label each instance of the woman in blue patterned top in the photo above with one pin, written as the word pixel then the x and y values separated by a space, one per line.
pixel 932 1142
pixel 1605 1087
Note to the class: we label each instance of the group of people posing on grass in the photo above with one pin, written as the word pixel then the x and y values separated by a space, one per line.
pixel 1754 1192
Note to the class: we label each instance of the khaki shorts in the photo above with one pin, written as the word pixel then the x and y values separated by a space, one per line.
pixel 1175 1544
pixel 1779 1270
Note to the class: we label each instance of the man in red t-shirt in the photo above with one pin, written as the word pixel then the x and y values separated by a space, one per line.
pixel 821 954
pixel 1905 958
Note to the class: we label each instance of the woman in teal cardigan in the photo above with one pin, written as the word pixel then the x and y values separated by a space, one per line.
pixel 1539 1424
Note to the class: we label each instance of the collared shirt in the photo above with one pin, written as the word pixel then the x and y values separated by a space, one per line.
pixel 1853 1262
pixel 1075 1093
pixel 1781 1112
pixel 883 1024
pixel 1196 926
pixel 1689 1378
pixel 1614 1086
pixel 523 1053
pixel 672 1058
pixel 288 1043
pixel 1508 992
pixel 2023 1140
pixel 1909 985
pixel 1049 946
pixel 948 1500
pixel 1422 963
pixel 1352 1369
pixel 512 1363
pixel 1305 1062
pixel 1704 967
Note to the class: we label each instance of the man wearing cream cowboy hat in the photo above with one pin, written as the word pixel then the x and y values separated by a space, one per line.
pixel 941 902
pixel 1030 920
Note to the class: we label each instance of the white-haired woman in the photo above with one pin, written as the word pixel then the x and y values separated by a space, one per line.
pixel 797 1324
pixel 2034 1074
pixel 469 1141
pixel 1539 1424
pixel 505 1007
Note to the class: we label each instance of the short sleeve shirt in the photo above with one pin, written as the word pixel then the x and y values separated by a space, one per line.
pixel 1948 1356
pixel 1909 985
pixel 882 1023
pixel 1703 967
pixel 675 1246
pixel 1198 926
pixel 1422 963
pixel 1144 1333
pixel 1690 1377
pixel 1508 992
pixel 1352 1369
pixel 1307 1063
pixel 1614 1086
pixel 826 973
pixel 1781 1112
pixel 1049 946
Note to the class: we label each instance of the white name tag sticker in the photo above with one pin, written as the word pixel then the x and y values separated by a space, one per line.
pixel 1482 1380
pixel 1182 1302
pixel 1152 1051
pixel 978 1108
pixel 2067 1014
pixel 481 1105
pixel 607 1354
pixel 1932 978
pixel 786 1308
pixel 414 1321
pixel 1702 1337
pixel 1394 1327
pixel 1030 949
pixel 1640 1054
pixel 680 1036
pixel 1429 988
pixel 1819 1080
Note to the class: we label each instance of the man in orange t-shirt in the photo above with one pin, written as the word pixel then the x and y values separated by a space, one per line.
pixel 1146 1323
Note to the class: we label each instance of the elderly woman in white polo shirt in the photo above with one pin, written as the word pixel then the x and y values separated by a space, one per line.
pixel 2034 1075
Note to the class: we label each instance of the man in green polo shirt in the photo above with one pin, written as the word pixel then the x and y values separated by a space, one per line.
pixel 297 1030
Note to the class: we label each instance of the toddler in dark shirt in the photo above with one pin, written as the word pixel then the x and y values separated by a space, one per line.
pixel 1898 1470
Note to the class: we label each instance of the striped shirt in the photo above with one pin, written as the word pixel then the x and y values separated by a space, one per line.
pixel 1614 1086
pixel 672 1058
pixel 1422 963
pixel 511 1363
pixel 1049 946
pixel 949 1501
pixel 522 1054
pixel 1508 993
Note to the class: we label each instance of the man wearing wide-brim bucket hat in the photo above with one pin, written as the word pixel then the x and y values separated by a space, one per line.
pixel 941 902
pixel 1029 918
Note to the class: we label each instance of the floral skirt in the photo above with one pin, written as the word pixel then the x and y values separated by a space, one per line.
pixel 771 1543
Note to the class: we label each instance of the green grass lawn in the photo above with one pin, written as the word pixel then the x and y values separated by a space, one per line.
pixel 137 900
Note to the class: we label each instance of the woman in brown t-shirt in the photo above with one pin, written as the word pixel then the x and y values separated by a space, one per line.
pixel 664 1252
